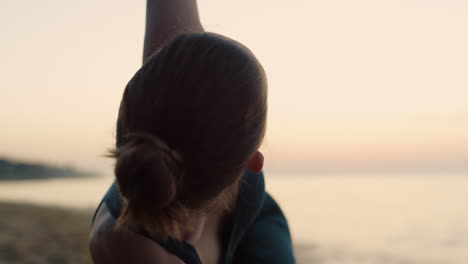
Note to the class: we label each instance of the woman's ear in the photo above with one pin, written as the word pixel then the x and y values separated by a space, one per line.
pixel 255 163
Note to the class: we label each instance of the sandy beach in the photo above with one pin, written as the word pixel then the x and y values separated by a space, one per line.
pixel 38 234
pixel 35 234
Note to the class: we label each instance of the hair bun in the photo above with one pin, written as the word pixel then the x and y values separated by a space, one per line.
pixel 147 172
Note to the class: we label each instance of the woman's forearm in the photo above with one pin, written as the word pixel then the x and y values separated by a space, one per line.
pixel 166 19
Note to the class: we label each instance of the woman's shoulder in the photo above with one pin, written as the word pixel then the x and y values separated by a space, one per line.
pixel 268 238
pixel 252 194
pixel 109 244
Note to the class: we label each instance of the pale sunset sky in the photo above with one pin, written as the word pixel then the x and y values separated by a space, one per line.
pixel 353 85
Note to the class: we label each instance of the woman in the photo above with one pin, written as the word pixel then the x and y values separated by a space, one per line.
pixel 189 187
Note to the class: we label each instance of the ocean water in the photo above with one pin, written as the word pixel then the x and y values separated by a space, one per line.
pixel 378 219
pixel 345 219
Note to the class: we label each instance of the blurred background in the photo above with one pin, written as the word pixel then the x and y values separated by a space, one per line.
pixel 367 142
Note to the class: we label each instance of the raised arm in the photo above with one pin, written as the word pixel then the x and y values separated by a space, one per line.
pixel 166 19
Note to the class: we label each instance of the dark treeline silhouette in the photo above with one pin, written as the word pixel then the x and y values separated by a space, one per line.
pixel 17 170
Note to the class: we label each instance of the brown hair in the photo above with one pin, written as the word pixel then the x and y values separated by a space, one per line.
pixel 189 120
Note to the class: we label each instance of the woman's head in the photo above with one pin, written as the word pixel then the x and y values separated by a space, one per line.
pixel 189 122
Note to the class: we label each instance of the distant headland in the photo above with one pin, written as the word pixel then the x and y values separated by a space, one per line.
pixel 21 170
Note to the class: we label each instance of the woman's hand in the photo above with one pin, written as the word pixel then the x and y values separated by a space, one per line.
pixel 166 19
